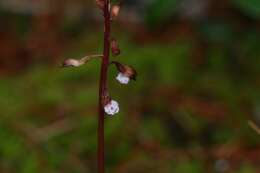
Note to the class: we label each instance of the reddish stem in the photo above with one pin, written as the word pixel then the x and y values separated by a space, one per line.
pixel 103 87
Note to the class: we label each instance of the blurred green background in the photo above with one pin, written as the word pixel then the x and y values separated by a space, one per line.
pixel 198 64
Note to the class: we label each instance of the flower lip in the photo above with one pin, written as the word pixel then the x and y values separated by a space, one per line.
pixel 111 108
pixel 123 79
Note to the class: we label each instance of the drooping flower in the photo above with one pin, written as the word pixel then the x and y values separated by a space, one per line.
pixel 125 72
pixel 111 108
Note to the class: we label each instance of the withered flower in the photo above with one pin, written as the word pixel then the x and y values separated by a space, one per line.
pixel 71 63
pixel 78 62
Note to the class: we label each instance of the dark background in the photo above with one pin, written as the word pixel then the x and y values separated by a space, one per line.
pixel 198 64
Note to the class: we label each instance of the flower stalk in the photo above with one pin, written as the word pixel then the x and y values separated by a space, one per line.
pixel 105 104
pixel 103 87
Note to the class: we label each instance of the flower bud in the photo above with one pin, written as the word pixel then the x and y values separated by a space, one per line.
pixel 100 4
pixel 115 48
pixel 125 72
pixel 115 9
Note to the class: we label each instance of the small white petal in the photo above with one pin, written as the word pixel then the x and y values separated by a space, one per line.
pixel 111 108
pixel 122 78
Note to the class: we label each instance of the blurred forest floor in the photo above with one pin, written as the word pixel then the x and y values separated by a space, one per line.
pixel 197 88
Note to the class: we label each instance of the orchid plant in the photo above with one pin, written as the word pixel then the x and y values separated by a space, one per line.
pixel 125 73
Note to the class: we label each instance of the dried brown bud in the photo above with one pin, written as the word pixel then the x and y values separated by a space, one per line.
pixel 71 63
pixel 115 48
pixel 115 9
pixel 126 70
pixel 100 4
pixel 79 62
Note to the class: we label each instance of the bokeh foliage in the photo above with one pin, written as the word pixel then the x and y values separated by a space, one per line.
pixel 187 111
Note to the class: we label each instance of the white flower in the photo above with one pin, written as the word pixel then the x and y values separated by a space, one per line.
pixel 111 108
pixel 123 79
